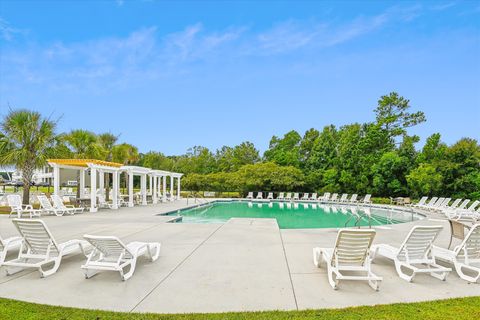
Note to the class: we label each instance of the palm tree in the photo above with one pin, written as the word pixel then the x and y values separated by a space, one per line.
pixel 83 144
pixel 126 154
pixel 27 141
pixel 107 142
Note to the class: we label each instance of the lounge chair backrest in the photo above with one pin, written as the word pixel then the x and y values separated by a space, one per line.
pixel 473 205
pixel 37 238
pixel 445 202
pixel 334 196
pixel 418 243
pixel 354 197
pixel 432 201
pixel 289 194
pixel 250 194
pixel 367 198
pixel 44 202
pixel 352 246
pixel 469 249
pixel 281 195
pixel 296 194
pixel 438 202
pixel 344 197
pixel 111 247
pixel 422 201
pixel 326 196
pixel 314 195
pixel 57 202
pixel 455 203
pixel 14 200
pixel 464 204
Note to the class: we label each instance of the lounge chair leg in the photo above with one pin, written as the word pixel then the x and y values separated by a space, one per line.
pixel 402 274
pixel 52 270
pixel 129 274
pixel 317 258
pixel 459 269
pixel 11 270
pixel 375 284
pixel 331 278
pixel 90 273
pixel 153 255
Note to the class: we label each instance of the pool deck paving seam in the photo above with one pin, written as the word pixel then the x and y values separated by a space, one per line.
pixel 288 268
pixel 176 267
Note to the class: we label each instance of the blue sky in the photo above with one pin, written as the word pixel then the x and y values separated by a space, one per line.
pixel 169 75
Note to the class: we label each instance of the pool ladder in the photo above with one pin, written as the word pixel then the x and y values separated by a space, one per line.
pixel 358 219
pixel 196 199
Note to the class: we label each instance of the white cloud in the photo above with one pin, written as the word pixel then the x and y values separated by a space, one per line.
pixel 144 55
pixel 7 32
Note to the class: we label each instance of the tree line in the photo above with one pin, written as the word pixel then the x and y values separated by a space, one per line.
pixel 378 157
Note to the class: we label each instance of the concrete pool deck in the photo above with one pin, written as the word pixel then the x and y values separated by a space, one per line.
pixel 242 265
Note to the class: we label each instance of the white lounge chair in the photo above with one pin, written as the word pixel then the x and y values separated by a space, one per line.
pixel 453 206
pixel 47 206
pixel 466 256
pixel 463 213
pixel 305 197
pixel 343 198
pixel 296 196
pixel 353 199
pixel 281 196
pixel 415 253
pixel 8 244
pixel 250 195
pixel 103 203
pixel 421 203
pixel 110 254
pixel 288 197
pixel 58 204
pixel 259 195
pixel 16 207
pixel 334 197
pixel 436 204
pixel 270 196
pixel 313 197
pixel 351 253
pixel 429 204
pixel 367 199
pixel 326 196
pixel 39 248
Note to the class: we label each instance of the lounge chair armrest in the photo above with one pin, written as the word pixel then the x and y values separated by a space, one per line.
pixel 27 207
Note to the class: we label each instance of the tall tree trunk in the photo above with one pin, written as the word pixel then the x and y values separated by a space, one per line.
pixel 27 174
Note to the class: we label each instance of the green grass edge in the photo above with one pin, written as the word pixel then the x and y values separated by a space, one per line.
pixel 458 309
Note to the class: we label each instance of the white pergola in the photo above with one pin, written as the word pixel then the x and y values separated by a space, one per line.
pixel 136 171
pixel 98 169
pixel 158 185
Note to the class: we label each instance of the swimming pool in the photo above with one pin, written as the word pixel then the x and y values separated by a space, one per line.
pixel 297 215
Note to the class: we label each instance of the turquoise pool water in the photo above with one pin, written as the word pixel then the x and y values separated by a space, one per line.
pixel 297 215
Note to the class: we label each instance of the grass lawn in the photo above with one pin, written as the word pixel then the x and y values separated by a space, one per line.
pixel 461 308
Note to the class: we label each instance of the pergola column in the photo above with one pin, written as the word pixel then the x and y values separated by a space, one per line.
pixel 150 185
pixel 178 188
pixel 101 179
pixel 143 189
pixel 56 180
pixel 154 189
pixel 82 183
pixel 171 188
pixel 115 190
pixel 164 195
pixel 93 190
pixel 130 189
